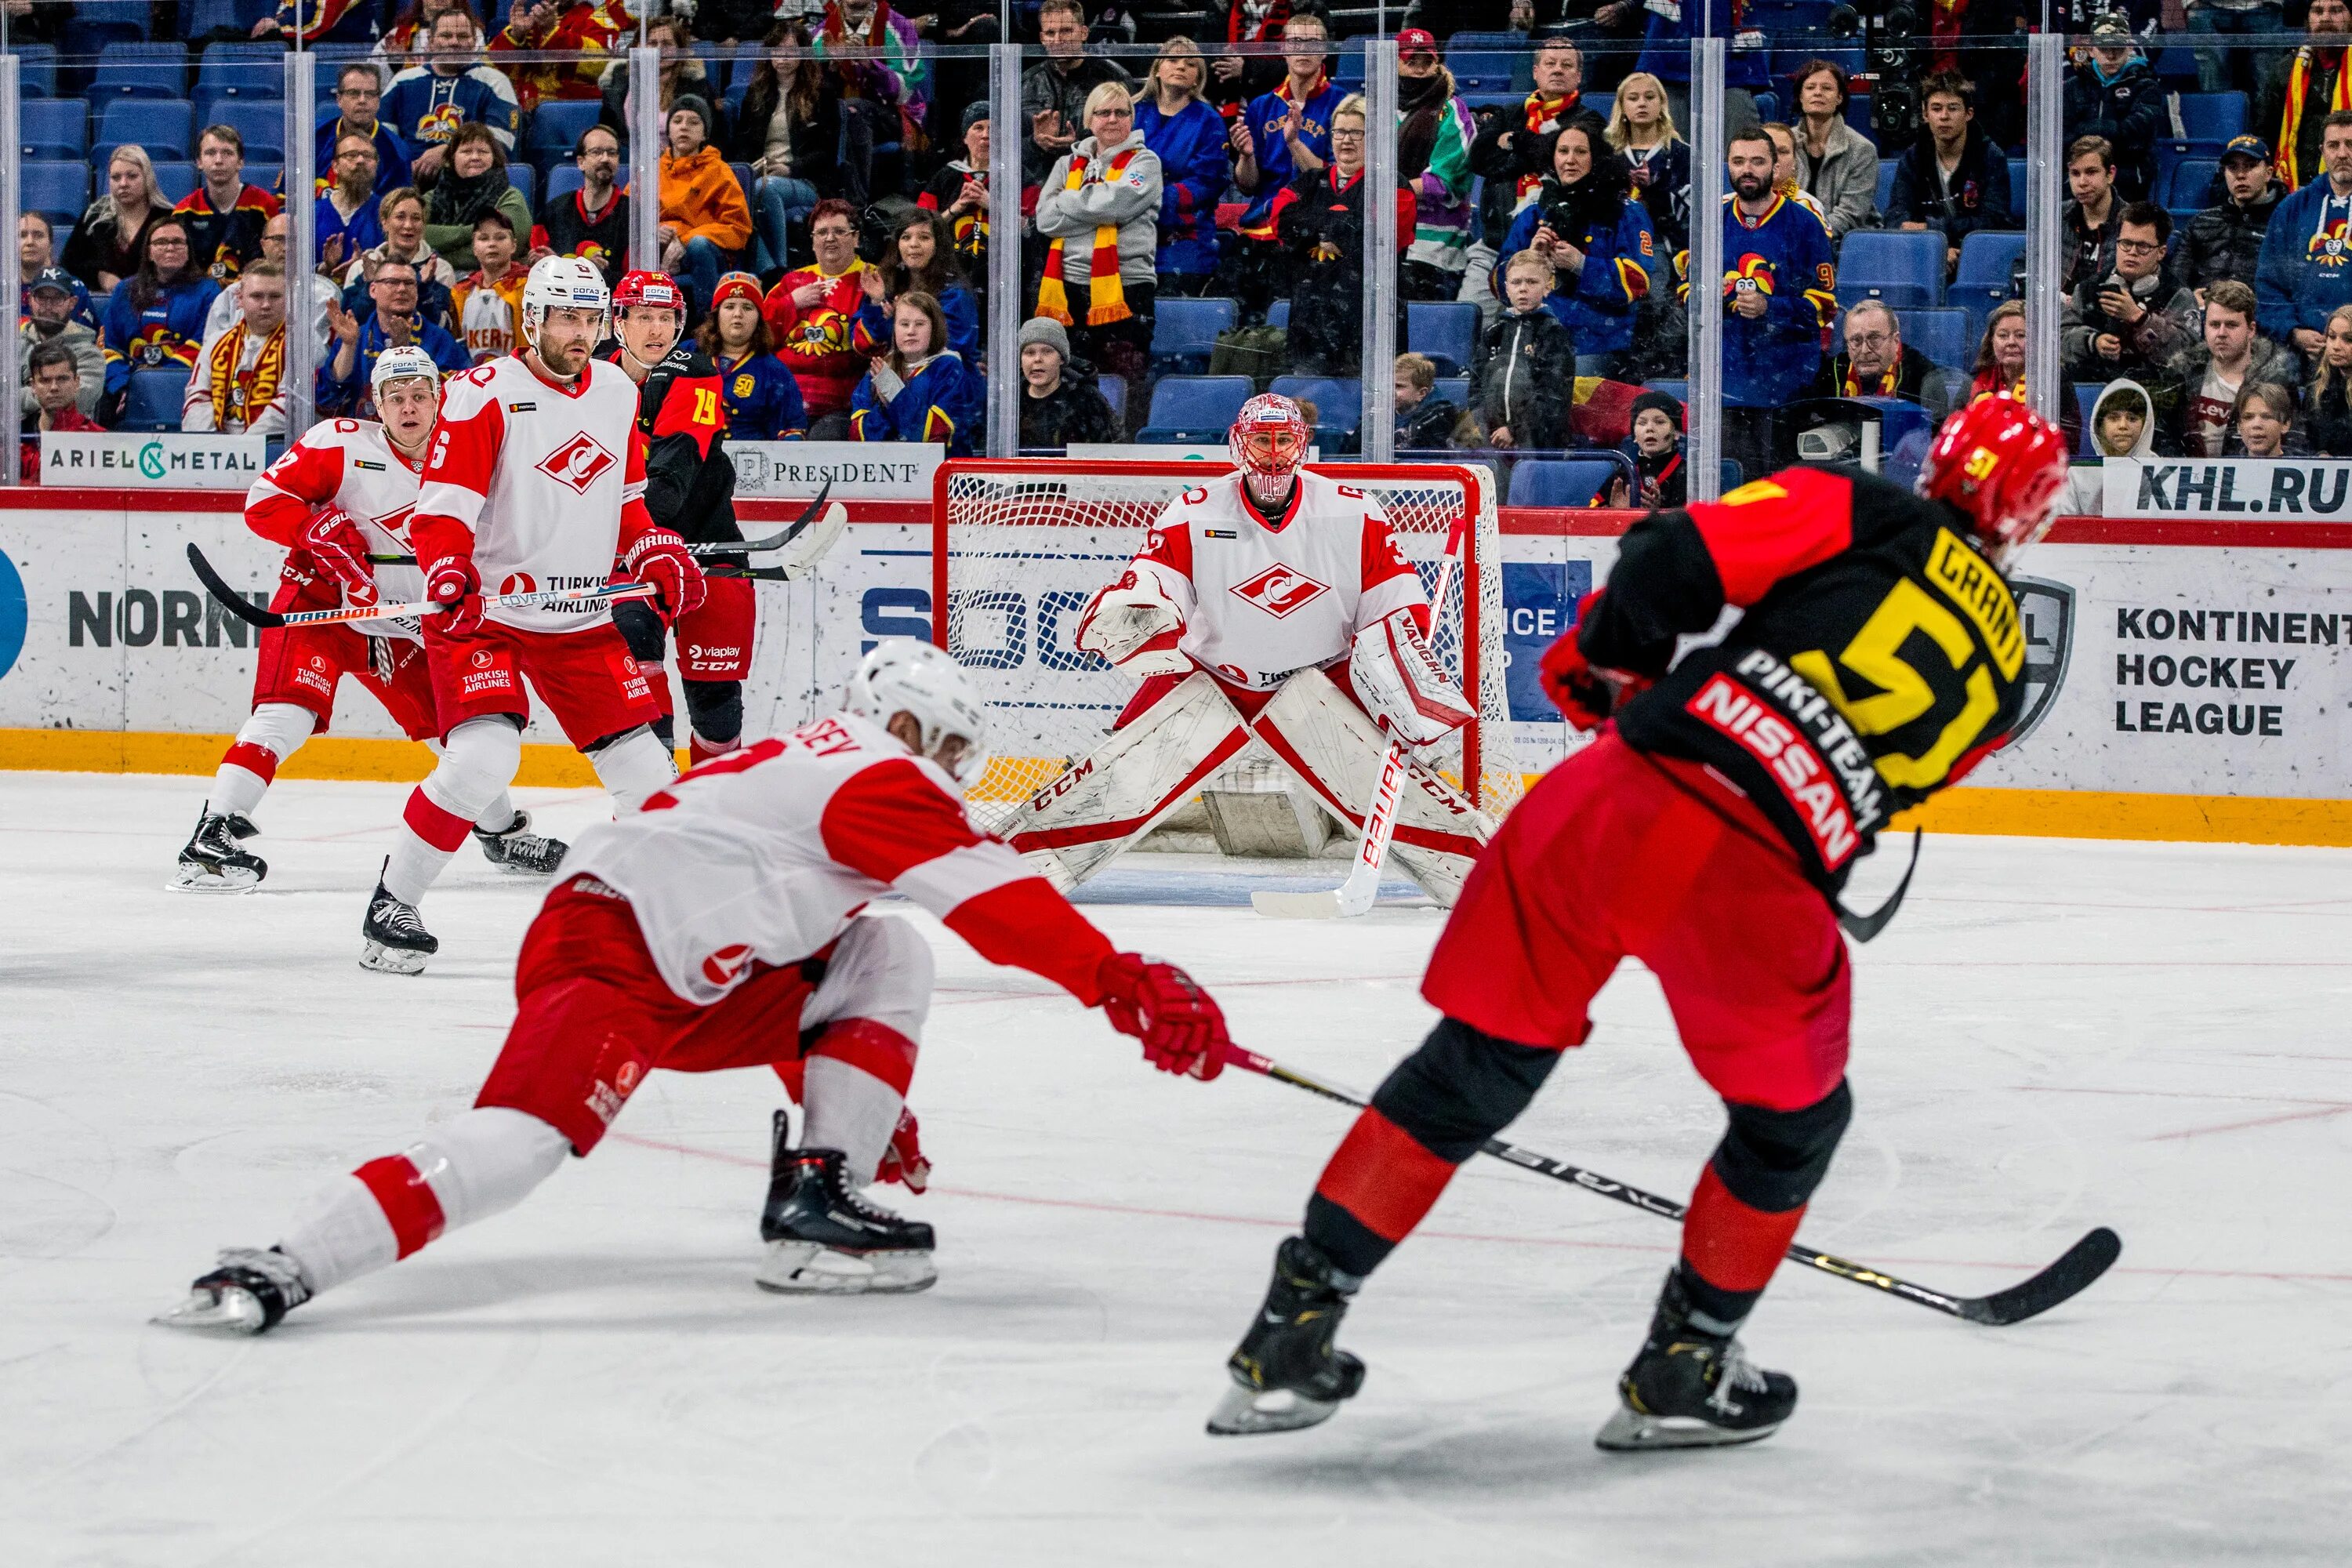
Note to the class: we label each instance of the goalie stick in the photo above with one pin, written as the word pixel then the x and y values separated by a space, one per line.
pixel 2073 1271
pixel 253 615
pixel 1355 895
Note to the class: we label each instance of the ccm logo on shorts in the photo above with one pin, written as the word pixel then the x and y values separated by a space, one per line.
pixel 1278 590
pixel 1725 705
pixel 578 463
pixel 485 674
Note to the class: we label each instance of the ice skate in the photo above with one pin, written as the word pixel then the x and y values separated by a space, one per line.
pixel 394 940
pixel 215 861
pixel 1286 1373
pixel 517 848
pixel 824 1240
pixel 249 1293
pixel 1692 1389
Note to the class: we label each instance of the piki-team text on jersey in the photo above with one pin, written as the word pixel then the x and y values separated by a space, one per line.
pixel 1265 596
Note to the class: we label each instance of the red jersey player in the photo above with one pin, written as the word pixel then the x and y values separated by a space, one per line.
pixel 1706 832
pixel 720 927
pixel 342 492
pixel 535 482
pixel 1270 603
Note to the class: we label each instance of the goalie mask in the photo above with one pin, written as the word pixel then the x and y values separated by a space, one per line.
pixel 903 676
pixel 1269 443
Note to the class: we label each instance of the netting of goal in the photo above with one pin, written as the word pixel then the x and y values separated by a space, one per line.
pixel 1019 546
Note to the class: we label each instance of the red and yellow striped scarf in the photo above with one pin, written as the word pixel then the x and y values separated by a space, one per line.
pixel 2298 88
pixel 239 394
pixel 1106 294
pixel 1888 379
pixel 1541 111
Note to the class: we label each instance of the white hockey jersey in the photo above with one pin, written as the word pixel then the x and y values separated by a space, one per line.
pixel 1263 597
pixel 351 464
pixel 542 484
pixel 765 855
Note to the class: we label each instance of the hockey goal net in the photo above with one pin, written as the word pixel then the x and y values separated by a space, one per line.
pixel 1020 544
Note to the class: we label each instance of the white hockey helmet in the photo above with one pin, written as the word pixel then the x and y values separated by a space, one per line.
pixel 564 281
pixel 903 676
pixel 397 365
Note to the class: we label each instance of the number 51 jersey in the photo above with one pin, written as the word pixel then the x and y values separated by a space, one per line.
pixel 1879 658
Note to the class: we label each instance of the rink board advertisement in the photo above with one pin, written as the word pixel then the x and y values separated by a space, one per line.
pixel 2190 671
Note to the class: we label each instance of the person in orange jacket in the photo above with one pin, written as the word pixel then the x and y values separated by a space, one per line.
pixel 705 216
pixel 813 313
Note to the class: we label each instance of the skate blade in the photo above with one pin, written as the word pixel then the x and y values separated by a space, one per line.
pixel 231 1311
pixel 1248 1412
pixel 1321 906
pixel 806 1269
pixel 1629 1432
pixel 205 879
pixel 392 960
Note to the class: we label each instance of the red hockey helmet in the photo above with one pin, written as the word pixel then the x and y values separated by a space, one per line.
pixel 1269 442
pixel 655 290
pixel 2003 465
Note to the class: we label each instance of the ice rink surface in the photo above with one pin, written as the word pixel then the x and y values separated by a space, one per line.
pixel 2053 1035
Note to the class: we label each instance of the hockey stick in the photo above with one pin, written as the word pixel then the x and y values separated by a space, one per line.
pixel 722 547
pixel 237 605
pixel 2073 1271
pixel 1355 895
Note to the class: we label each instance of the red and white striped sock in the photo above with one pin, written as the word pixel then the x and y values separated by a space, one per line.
pixel 855 1086
pixel 271 733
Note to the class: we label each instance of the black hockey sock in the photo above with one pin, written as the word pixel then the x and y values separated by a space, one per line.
pixel 1434 1112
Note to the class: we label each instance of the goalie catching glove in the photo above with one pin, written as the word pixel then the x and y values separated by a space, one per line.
pixel 1181 1025
pixel 1402 684
pixel 1133 625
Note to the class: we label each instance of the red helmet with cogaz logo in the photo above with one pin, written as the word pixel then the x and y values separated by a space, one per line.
pixel 655 289
pixel 2003 465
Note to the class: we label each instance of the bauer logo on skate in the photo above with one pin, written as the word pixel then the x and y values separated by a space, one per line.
pixel 1278 590
pixel 579 463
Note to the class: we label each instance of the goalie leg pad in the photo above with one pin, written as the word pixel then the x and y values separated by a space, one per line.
pixel 1334 747
pixel 1102 804
pixel 1402 683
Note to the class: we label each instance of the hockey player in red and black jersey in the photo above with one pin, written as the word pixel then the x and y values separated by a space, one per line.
pixel 1708 832
pixel 689 490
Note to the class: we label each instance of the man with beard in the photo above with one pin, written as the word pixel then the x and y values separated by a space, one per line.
pixel 1780 292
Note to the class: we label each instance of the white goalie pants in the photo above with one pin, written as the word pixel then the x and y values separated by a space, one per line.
pixel 1102 804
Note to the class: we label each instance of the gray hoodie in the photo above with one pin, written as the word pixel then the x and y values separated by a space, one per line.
pixel 2086 482
pixel 1131 202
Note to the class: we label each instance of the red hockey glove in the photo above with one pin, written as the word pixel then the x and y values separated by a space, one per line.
pixel 903 1160
pixel 1181 1025
pixel 451 581
pixel 1586 696
pixel 660 557
pixel 334 541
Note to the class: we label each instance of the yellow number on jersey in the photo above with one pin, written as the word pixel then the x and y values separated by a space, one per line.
pixel 706 405
pixel 1904 693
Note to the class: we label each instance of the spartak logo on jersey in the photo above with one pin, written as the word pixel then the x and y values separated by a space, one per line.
pixel 1280 589
pixel 722 967
pixel 578 463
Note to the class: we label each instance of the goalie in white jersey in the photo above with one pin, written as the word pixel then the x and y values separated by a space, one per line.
pixel 340 495
pixel 535 482
pixel 1271 604
pixel 720 927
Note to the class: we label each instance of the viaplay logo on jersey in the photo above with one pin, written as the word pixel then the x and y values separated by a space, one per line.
pixel 1279 589
pixel 578 463
pixel 13 615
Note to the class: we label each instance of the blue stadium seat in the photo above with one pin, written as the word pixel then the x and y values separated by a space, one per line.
pixel 1768 106
pixel 1941 333
pixel 271 177
pixel 1446 330
pixel 1502 102
pixel 154 398
pixel 1347 66
pixel 744 181
pixel 239 17
pixel 57 188
pixel 2018 174
pixel 1184 332
pixel 1278 314
pixel 1677 390
pixel 1898 421
pixel 2211 116
pixel 2191 184
pixel 242 71
pixel 1339 404
pixel 175 180
pixel 563 178
pixel 2085 399
pixel 1566 481
pixel 261 122
pixel 37 69
pixel 1991 255
pixel 1486 62
pixel 140 71
pixel 1602 103
pixel 1901 268
pixel 133 15
pixel 524 178
pixel 1189 409
pixel 1886 167
pixel 1454 389
pixel 2177 68
pixel 161 126
pixel 555 130
pixel 1114 392
pixel 53 128
pixel 2173 152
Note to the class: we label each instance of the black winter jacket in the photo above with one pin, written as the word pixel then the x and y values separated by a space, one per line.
pixel 1980 198
pixel 1072 411
pixel 2227 241
pixel 2129 111
pixel 1527 378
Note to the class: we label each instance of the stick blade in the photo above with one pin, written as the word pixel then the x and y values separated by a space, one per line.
pixel 2073 1273
pixel 1322 905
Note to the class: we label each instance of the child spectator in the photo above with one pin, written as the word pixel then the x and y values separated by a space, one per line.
pixel 1424 421
pixel 2266 422
pixel 763 401
pixel 1655 445
pixel 2122 426
pixel 1057 408
pixel 489 299
pixel 1526 362
pixel 921 390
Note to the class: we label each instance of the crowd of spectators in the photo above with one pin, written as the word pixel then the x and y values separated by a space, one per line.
pixel 823 196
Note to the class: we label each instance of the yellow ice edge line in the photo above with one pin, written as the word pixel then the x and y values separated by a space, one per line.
pixel 2021 812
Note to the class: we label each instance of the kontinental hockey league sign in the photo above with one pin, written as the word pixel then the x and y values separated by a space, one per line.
pixel 2048 610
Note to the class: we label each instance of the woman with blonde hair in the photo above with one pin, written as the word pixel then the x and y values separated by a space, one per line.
pixel 110 241
pixel 1188 137
pixel 2328 413
pixel 921 390
pixel 1641 127
pixel 1100 209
